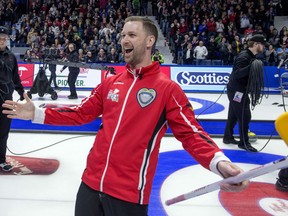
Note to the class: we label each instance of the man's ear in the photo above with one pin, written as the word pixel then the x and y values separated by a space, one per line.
pixel 150 41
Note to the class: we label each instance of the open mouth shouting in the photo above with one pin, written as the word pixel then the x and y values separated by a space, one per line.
pixel 127 51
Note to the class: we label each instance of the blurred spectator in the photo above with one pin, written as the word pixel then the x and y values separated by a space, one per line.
pixel 269 15
pixel 107 37
pixel 223 49
pixel 200 53
pixel 22 38
pixel 82 57
pixel 212 49
pixel 50 36
pixel 188 54
pixel 230 55
pixel 31 37
pixel 244 41
pixel 195 41
pixel 274 39
pixel 204 37
pixel 183 45
pixel 282 52
pixel 211 26
pixel 237 45
pixel 144 7
pixel 244 22
pixel 220 26
pixel 177 39
pixel 36 52
pixel 113 46
pixel 101 45
pixel 27 56
pixel 157 56
pixel 271 56
pixel 90 58
pixel 14 36
pixel 101 57
pixel 154 8
pixel 249 31
pixel 282 31
pixel 284 37
pixel 183 26
pixel 164 22
pixel 194 26
pixel 202 27
pixel 283 5
pixel 270 32
pixel 121 58
pixel 112 56
pixel 62 54
pixel 65 46
pixel 136 7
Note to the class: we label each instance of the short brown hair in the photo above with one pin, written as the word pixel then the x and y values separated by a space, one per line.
pixel 148 25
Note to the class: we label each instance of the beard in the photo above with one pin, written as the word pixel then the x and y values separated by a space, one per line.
pixel 260 49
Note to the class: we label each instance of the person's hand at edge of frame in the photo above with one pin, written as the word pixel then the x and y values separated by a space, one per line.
pixel 19 110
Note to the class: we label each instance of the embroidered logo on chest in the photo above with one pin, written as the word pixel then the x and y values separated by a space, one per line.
pixel 113 95
pixel 146 96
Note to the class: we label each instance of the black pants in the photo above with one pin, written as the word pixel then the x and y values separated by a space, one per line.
pixel 72 78
pixel 53 76
pixel 6 92
pixel 238 112
pixel 93 203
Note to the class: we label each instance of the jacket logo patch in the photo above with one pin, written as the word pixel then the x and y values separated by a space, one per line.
pixel 113 95
pixel 146 96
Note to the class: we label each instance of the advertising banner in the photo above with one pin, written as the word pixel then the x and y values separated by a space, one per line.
pixel 201 78
pixel 191 79
pixel 26 73
pixel 87 78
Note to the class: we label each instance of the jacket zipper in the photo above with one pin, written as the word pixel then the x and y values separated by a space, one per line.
pixel 115 132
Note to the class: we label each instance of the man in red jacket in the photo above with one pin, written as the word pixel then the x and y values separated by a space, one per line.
pixel 136 107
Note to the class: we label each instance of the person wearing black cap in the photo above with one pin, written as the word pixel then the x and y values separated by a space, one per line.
pixel 9 81
pixel 238 89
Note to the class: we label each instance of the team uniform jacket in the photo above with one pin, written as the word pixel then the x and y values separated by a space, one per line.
pixel 136 108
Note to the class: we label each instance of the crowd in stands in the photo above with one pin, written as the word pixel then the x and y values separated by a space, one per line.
pixel 195 29
pixel 219 30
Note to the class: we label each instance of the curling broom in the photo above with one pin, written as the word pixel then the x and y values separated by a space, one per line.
pixel 281 125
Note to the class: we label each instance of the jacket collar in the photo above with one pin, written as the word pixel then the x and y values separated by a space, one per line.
pixel 143 71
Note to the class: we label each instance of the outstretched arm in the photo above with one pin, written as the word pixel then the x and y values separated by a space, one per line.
pixel 15 110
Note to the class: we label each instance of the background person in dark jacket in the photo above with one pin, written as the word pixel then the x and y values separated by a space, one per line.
pixel 188 54
pixel 73 71
pixel 53 55
pixel 9 80
pixel 237 92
